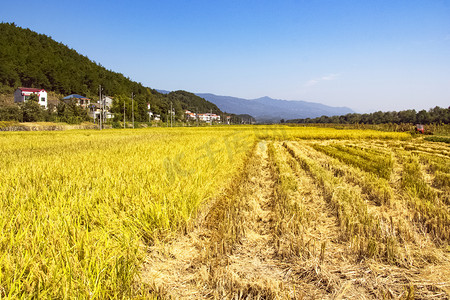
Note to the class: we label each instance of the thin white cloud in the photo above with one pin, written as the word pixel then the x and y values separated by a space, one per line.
pixel 323 78
pixel 311 82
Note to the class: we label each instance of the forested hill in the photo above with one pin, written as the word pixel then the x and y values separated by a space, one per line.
pixel 30 59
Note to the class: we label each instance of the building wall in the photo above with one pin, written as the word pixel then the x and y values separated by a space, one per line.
pixel 108 101
pixel 43 99
pixel 18 96
pixel 208 117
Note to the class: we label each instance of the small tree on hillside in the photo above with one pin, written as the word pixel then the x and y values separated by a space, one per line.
pixel 71 113
pixel 31 110
pixel 10 113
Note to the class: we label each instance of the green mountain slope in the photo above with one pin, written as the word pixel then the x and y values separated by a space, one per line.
pixel 30 59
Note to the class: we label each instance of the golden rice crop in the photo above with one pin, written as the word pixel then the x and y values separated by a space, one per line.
pixel 288 133
pixel 79 209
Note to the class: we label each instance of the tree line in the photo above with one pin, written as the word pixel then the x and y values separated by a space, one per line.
pixel 436 115
pixel 32 111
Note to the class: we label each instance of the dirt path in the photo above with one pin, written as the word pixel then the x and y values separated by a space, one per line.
pixel 253 263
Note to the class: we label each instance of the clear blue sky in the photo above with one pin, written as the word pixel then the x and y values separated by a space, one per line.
pixel 367 55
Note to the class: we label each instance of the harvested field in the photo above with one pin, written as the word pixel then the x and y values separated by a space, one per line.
pixel 313 226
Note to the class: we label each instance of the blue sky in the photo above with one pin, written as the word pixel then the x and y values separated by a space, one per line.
pixel 367 55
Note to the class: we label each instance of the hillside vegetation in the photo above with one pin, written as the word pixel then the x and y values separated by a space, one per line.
pixel 30 59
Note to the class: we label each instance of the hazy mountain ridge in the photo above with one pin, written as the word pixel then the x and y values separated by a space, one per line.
pixel 266 109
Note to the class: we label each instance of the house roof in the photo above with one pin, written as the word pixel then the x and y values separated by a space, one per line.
pixel 32 90
pixel 75 96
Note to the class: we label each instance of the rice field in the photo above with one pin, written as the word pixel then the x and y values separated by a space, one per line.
pixel 241 212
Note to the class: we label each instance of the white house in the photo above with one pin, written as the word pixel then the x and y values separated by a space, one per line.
pixel 95 114
pixel 190 115
pixel 22 94
pixel 208 117
pixel 95 108
pixel 107 102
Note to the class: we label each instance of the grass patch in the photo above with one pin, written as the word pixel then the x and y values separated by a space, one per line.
pixel 439 139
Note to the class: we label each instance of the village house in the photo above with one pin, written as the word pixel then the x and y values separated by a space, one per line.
pixel 107 102
pixel 95 112
pixel 95 109
pixel 22 94
pixel 150 113
pixel 208 117
pixel 190 115
pixel 79 100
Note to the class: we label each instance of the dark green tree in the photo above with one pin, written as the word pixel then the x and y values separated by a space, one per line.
pixel 31 110
pixel 407 116
pixel 423 117
pixel 11 113
pixel 71 113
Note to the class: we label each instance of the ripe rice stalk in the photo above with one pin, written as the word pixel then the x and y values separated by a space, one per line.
pixel 376 188
pixel 429 209
pixel 379 164
pixel 77 207
pixel 289 215
pixel 362 229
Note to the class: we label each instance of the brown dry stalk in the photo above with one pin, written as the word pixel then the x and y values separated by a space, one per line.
pixel 273 235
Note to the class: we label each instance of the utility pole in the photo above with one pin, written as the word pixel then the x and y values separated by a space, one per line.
pixel 101 102
pixel 124 113
pixel 132 107
pixel 171 114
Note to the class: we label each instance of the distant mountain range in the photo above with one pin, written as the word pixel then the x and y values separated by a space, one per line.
pixel 162 91
pixel 266 109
